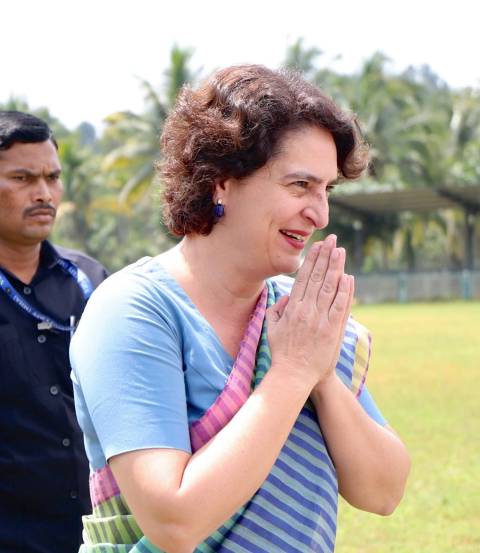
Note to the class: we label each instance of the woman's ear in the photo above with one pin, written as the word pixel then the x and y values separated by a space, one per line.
pixel 222 190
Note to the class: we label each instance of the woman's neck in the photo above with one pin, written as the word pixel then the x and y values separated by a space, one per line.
pixel 208 270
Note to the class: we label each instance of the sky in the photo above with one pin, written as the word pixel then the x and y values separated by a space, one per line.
pixel 82 59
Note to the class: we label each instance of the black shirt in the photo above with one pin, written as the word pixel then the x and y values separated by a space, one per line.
pixel 43 467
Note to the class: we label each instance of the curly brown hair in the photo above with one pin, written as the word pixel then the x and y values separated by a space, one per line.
pixel 230 127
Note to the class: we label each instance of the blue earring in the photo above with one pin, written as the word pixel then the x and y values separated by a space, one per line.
pixel 219 209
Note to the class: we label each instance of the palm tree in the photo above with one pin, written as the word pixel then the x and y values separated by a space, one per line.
pixel 302 59
pixel 132 140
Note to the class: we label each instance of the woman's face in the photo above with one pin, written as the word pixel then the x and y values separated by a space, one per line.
pixel 270 215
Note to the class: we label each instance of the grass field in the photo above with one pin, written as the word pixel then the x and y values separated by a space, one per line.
pixel 425 376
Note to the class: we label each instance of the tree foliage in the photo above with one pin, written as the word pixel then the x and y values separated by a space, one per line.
pixel 420 132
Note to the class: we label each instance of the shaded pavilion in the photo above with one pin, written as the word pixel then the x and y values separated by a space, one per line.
pixel 362 205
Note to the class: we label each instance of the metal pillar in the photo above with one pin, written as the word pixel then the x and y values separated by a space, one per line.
pixel 469 260
pixel 359 237
pixel 469 240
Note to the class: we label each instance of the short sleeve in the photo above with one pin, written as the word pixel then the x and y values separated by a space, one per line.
pixel 126 358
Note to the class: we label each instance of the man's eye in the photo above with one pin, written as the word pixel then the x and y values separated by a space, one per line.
pixel 301 183
pixel 19 178
pixel 330 187
pixel 53 178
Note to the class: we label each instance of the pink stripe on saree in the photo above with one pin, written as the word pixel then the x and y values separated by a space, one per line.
pixel 103 486
pixel 237 389
pixel 239 383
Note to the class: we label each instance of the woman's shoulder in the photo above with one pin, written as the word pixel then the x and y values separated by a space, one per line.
pixel 142 289
pixel 145 276
pixel 136 301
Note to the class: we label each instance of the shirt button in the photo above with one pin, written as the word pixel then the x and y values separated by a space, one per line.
pixel 27 291
pixel 53 390
pixel 41 338
pixel 73 494
pixel 65 442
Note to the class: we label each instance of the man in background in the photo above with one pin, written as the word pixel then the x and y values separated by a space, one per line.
pixel 43 291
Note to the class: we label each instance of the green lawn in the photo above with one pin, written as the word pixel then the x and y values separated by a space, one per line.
pixel 425 376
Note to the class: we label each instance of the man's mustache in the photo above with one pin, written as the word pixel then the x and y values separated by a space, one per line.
pixel 40 208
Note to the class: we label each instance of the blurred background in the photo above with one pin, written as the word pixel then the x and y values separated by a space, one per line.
pixel 105 75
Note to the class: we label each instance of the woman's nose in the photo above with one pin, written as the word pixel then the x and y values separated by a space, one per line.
pixel 317 212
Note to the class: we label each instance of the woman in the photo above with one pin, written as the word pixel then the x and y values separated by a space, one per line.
pixel 218 399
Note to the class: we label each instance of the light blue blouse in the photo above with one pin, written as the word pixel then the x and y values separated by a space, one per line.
pixel 146 364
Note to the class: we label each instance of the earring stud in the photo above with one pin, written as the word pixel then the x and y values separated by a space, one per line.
pixel 219 209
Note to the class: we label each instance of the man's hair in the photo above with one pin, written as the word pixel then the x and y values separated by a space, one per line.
pixel 231 126
pixel 16 126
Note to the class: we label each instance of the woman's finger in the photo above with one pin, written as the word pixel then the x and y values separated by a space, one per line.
pixel 275 312
pixel 301 281
pixel 351 293
pixel 341 302
pixel 328 290
pixel 336 309
pixel 319 270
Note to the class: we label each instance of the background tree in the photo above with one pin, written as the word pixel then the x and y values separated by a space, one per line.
pixel 131 141
pixel 421 133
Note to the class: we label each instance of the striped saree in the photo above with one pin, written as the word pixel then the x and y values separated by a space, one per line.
pixel 295 509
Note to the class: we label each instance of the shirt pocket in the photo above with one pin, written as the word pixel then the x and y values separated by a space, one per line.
pixel 14 371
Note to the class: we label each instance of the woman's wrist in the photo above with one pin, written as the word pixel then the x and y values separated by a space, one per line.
pixel 298 382
pixel 326 387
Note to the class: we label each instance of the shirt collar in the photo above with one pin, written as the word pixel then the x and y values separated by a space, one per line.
pixel 48 256
pixel 48 259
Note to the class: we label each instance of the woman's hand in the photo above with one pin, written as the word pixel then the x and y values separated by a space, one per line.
pixel 178 499
pixel 305 330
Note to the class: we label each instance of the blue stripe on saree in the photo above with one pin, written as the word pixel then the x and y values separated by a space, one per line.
pixel 295 509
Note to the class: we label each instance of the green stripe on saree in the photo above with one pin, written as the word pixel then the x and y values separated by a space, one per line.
pixel 294 510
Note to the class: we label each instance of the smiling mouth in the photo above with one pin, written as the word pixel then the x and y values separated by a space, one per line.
pixel 298 237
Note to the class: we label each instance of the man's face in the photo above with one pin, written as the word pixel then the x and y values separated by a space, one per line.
pixel 30 191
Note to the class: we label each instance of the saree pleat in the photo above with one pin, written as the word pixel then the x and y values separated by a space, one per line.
pixel 295 509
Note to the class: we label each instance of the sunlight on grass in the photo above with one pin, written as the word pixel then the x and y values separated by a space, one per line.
pixel 425 376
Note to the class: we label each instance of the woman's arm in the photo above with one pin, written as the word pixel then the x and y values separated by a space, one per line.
pixel 371 461
pixel 178 499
